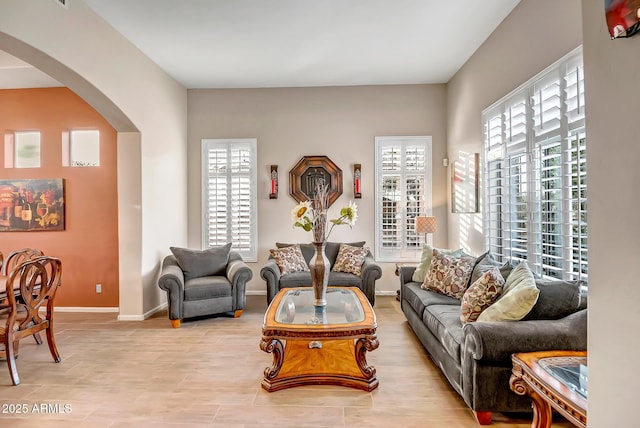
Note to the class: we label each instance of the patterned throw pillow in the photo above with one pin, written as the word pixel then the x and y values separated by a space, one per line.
pixel 289 259
pixel 480 295
pixel 449 275
pixel 350 259
pixel 425 261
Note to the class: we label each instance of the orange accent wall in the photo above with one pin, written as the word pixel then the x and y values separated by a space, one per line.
pixel 88 247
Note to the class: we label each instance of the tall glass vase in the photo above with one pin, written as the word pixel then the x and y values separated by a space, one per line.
pixel 319 267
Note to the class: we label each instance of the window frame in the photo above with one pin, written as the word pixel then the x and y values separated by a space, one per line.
pixel 406 252
pixel 553 153
pixel 250 254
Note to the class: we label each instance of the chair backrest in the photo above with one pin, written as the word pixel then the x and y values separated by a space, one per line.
pixel 1 260
pixel 37 281
pixel 17 257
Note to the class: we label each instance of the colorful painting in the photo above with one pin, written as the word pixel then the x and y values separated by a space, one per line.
pixel 31 205
pixel 623 17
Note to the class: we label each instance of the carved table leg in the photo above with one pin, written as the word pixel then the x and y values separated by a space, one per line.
pixel 541 409
pixel 274 346
pixel 363 345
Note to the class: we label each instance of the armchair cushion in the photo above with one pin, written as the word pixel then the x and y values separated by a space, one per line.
pixel 196 263
pixel 207 288
pixel 350 259
pixel 289 259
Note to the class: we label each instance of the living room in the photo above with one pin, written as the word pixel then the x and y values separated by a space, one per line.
pixel 158 149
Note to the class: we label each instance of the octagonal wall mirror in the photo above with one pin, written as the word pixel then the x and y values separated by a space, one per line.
pixel 311 171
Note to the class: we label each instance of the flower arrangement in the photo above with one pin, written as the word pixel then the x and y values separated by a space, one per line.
pixel 312 215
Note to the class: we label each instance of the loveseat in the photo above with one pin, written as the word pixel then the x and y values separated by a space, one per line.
pixel 476 357
pixel 366 281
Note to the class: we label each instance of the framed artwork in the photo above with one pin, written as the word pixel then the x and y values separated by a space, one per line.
pixel 464 184
pixel 29 205
pixel 311 171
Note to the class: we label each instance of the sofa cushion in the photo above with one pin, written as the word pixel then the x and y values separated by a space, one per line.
pixel 350 259
pixel 207 287
pixel 449 275
pixel 425 262
pixel 289 259
pixel 557 299
pixel 480 295
pixel 444 323
pixel 487 261
pixel 197 263
pixel 303 279
pixel 518 297
pixel 419 299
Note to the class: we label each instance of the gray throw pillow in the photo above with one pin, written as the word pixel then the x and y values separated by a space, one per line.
pixel 195 263
pixel 485 262
pixel 557 299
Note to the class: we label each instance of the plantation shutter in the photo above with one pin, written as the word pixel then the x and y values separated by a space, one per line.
pixel 229 195
pixel 535 173
pixel 403 191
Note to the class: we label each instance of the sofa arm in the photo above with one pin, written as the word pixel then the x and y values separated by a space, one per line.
pixel 370 272
pixel 406 274
pixel 496 341
pixel 270 272
pixel 238 273
pixel 172 281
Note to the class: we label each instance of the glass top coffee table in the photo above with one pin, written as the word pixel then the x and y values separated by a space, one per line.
pixel 555 379
pixel 319 345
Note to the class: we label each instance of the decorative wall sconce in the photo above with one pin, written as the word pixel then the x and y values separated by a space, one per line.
pixel 274 182
pixel 357 181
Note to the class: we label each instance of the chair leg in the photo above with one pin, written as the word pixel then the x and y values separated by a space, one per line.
pixel 237 313
pixel 38 338
pixel 11 361
pixel 175 323
pixel 52 346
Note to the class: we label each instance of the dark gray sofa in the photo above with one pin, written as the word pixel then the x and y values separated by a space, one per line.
pixel 476 358
pixel 270 272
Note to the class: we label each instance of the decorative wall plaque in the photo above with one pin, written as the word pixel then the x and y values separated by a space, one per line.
pixel 311 171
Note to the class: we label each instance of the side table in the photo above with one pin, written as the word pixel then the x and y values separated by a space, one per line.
pixel 555 379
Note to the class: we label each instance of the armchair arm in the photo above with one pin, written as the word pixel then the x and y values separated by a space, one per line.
pixel 172 281
pixel 496 341
pixel 370 272
pixel 238 273
pixel 270 272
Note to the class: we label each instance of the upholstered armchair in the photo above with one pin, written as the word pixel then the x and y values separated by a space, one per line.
pixel 200 283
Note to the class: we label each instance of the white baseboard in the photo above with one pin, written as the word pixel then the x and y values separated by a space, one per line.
pixel 84 309
pixel 143 316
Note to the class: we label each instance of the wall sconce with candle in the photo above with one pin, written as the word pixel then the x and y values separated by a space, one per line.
pixel 274 182
pixel 357 181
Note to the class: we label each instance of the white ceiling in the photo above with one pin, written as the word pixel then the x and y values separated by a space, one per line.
pixel 284 43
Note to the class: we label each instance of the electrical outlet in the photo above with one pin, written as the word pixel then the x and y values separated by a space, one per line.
pixel 98 288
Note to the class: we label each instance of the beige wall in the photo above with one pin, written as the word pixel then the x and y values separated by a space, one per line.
pixel 145 106
pixel 535 35
pixel 340 122
pixel 613 151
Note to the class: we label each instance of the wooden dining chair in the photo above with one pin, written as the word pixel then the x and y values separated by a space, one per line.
pixel 17 257
pixel 14 259
pixel 30 286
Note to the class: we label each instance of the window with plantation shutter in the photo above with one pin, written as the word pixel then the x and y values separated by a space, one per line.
pixel 403 191
pixel 535 187
pixel 229 196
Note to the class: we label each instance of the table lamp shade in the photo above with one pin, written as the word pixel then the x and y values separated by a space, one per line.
pixel 425 224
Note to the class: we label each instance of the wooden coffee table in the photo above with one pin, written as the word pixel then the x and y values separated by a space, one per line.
pixel 555 379
pixel 314 346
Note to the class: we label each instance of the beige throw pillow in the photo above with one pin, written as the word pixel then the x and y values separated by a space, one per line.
pixel 518 297
pixel 289 259
pixel 350 259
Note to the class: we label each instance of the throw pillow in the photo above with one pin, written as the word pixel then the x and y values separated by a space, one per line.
pixel 449 275
pixel 350 259
pixel 198 263
pixel 289 259
pixel 518 297
pixel 425 262
pixel 480 295
pixel 557 299
pixel 485 262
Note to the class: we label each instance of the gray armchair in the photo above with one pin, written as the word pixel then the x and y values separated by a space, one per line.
pixel 190 295
pixel 366 282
